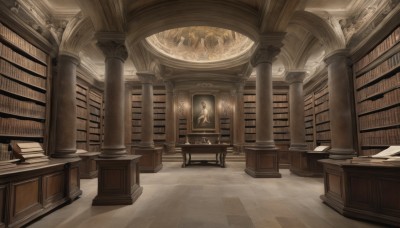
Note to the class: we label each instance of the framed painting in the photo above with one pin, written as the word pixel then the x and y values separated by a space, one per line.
pixel 203 112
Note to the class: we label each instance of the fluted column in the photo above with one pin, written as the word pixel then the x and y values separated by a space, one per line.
pixel 65 143
pixel 340 105
pixel 170 123
pixel 147 138
pixel 239 118
pixel 296 104
pixel 114 133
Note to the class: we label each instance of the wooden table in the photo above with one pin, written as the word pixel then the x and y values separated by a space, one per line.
pixel 365 190
pixel 218 149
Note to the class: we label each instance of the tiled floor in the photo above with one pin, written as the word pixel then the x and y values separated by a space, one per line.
pixel 208 197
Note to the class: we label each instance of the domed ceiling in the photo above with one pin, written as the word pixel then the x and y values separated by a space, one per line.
pixel 200 44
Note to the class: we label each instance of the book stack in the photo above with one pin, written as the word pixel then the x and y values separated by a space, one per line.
pixel 29 152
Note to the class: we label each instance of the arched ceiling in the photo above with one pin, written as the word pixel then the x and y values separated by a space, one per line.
pixel 212 40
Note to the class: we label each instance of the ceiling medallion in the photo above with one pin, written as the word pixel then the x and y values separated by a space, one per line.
pixel 200 44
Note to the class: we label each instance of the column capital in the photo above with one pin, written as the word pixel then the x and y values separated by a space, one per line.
pixel 69 57
pixel 146 77
pixel 269 46
pixel 337 54
pixel 112 45
pixel 295 76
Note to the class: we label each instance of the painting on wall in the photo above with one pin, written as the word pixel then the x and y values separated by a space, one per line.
pixel 203 112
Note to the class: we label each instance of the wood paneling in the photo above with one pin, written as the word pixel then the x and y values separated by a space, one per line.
pixel 53 187
pixel 26 197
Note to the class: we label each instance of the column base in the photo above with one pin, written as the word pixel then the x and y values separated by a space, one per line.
pixel 262 162
pixel 108 152
pixel 169 148
pixel 65 154
pixel 341 154
pixel 151 161
pixel 305 163
pixel 118 182
pixel 87 167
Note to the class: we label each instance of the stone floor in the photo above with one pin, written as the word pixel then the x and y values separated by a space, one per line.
pixel 204 196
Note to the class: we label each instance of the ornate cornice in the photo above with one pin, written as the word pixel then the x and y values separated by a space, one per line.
pixel 113 49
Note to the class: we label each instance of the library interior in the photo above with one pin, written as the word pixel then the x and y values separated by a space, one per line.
pixel 217 113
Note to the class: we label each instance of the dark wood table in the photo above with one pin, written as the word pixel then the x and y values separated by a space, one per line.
pixel 218 149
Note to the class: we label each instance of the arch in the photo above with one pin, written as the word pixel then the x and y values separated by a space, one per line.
pixel 78 33
pixel 174 14
pixel 320 29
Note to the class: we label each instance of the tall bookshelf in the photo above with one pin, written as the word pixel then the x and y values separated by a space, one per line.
pixel 182 130
pixel 377 95
pixel 309 120
pixel 81 117
pixel 159 106
pixel 249 109
pixel 136 116
pixel 281 118
pixel 225 130
pixel 24 82
pixel 321 117
pixel 95 101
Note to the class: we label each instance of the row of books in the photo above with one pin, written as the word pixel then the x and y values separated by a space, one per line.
pixel 137 116
pixel 250 137
pixel 308 118
pixel 249 98
pixel 21 43
pixel 136 104
pixel 322 107
pixel 250 122
pixel 308 106
pixel 81 90
pixel 94 124
pixel 14 57
pixel 381 137
pixel 249 105
pixel 80 103
pixel 369 151
pixel 225 132
pixel 94 137
pixel 159 129
pixel 136 129
pixel 160 105
pixel 281 129
pixel 81 145
pixel 94 130
pixel 280 110
pixel 158 110
pixel 379 87
pixel 309 137
pixel 94 104
pixel 94 118
pixel 321 92
pixel 309 131
pixel 325 135
pixel 280 98
pixel 385 45
pixel 249 115
pixel 136 122
pixel 380 119
pixel 12 71
pixel 159 122
pixel 136 110
pixel 322 99
pixel 158 98
pixel 81 135
pixel 14 106
pixel 280 105
pixel 12 126
pixel 249 110
pixel 94 111
pixel 21 90
pixel 378 71
pixel 81 124
pixel 225 125
pixel 95 97
pixel 95 148
pixel 323 127
pixel 281 123
pixel 387 99
pixel 322 117
pixel 309 112
pixel 81 112
pixel 5 152
pixel 281 136
pixel 159 136
pixel 308 124
pixel 136 98
pixel 182 132
pixel 81 97
pixel 251 130
pixel 281 116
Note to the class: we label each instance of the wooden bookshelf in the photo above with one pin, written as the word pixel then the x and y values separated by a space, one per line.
pixel 321 117
pixel 159 107
pixel 24 82
pixel 81 117
pixel 377 96
pixel 182 130
pixel 95 104
pixel 225 128
pixel 281 117
pixel 136 116
pixel 249 109
pixel 309 121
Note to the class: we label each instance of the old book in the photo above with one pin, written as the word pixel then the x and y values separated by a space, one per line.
pixel 388 153
pixel 28 151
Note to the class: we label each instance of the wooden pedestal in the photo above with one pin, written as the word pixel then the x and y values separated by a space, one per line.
pixel 88 166
pixel 151 161
pixel 262 162
pixel 31 191
pixel 284 156
pixel 305 163
pixel 363 190
pixel 119 181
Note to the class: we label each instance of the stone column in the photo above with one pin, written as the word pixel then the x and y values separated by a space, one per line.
pixel 119 177
pixel 340 105
pixel 262 159
pixel 65 143
pixel 170 124
pixel 296 104
pixel 147 138
pixel 114 133
pixel 239 118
